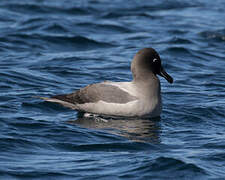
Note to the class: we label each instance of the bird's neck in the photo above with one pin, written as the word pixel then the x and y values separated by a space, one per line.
pixel 149 85
pixel 145 77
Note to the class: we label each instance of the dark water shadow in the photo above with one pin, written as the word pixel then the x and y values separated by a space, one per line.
pixel 135 129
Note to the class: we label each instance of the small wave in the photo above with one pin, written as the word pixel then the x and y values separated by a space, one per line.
pixel 218 35
pixel 205 111
pixel 140 10
pixel 27 8
pixel 111 15
pixel 79 10
pixel 177 40
pixel 138 36
pixel 175 165
pixel 168 5
pixel 33 173
pixel 55 28
pixel 107 28
pixel 182 51
pixel 117 146
pixel 177 31
pixel 59 42
pixel 164 167
pixel 36 20
pixel 18 43
pixel 9 143
pixel 77 41
pixel 44 9
pixel 27 79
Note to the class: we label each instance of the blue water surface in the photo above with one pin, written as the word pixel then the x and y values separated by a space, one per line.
pixel 53 47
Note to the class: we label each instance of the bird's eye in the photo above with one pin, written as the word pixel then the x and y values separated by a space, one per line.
pixel 155 60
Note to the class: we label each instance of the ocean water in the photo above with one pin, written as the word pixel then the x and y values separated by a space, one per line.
pixel 52 47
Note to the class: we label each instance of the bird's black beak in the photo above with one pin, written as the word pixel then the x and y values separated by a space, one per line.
pixel 164 74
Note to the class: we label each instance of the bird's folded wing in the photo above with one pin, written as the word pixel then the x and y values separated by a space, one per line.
pixel 92 94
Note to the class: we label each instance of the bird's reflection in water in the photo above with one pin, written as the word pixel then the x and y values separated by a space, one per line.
pixel 135 129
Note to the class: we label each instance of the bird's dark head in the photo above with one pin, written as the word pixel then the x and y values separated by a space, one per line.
pixel 148 60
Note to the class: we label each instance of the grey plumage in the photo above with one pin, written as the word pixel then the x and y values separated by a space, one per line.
pixel 96 92
pixel 140 97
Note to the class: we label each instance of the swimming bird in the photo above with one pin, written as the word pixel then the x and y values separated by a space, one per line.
pixel 139 98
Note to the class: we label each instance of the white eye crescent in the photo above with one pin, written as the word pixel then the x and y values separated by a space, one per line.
pixel 154 60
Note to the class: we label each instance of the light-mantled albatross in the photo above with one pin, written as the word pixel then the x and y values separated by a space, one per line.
pixel 141 97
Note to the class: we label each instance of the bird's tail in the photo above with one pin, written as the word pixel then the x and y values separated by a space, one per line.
pixel 55 100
